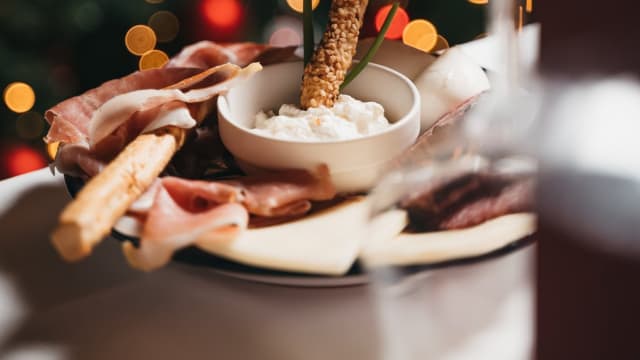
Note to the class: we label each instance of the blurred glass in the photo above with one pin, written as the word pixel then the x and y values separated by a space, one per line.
pixel 589 220
pixel 474 166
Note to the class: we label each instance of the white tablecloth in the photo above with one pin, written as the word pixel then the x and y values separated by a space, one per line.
pixel 100 309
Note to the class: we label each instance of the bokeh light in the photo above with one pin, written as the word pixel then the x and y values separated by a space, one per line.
pixel 420 34
pixel 165 25
pixel 285 36
pixel 223 14
pixel 479 2
pixel 400 20
pixel 19 97
pixel 22 159
pixel 140 39
pixel 529 6
pixel 297 5
pixel 30 125
pixel 52 149
pixel 153 59
pixel 520 17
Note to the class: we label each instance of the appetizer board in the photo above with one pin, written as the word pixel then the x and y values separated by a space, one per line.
pixel 410 253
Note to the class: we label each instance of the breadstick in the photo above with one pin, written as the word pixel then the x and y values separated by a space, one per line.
pixel 329 64
pixel 104 199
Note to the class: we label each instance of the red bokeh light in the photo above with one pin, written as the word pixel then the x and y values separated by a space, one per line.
pixel 400 20
pixel 20 159
pixel 222 14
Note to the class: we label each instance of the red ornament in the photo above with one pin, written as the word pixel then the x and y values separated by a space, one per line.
pixel 400 20
pixel 222 14
pixel 20 159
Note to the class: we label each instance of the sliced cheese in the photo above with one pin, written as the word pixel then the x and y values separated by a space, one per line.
pixel 433 247
pixel 324 243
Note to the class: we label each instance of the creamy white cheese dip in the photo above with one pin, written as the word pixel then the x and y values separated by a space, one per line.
pixel 347 119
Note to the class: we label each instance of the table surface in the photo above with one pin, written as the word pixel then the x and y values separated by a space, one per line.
pixel 101 309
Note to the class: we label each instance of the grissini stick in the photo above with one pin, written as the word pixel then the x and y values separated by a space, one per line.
pixel 329 64
pixel 104 199
pixel 108 195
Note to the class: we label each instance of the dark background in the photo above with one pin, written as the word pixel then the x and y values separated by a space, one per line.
pixel 63 48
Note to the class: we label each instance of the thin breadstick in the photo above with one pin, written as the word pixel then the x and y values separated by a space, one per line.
pixel 328 67
pixel 104 199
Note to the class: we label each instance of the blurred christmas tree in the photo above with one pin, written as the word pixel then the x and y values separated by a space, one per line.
pixel 56 49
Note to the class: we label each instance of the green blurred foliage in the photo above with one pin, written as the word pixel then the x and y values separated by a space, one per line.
pixel 62 48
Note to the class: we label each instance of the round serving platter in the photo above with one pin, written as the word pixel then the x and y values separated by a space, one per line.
pixel 355 276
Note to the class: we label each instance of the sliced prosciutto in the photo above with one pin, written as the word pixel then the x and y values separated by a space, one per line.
pixel 118 110
pixel 285 193
pixel 169 227
pixel 70 119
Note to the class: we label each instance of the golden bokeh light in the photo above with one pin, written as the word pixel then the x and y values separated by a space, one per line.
pixel 441 44
pixel 298 4
pixel 479 2
pixel 19 97
pixel 520 17
pixel 52 149
pixel 140 39
pixel 153 59
pixel 420 34
pixel 529 6
pixel 30 125
pixel 165 25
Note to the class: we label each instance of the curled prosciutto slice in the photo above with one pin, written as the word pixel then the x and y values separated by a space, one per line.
pixel 169 227
pixel 284 193
pixel 205 54
pixel 70 119
pixel 121 108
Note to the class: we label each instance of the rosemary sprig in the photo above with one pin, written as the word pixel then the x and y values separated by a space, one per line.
pixel 357 69
pixel 307 29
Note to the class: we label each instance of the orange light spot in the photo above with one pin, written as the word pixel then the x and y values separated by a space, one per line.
pixel 165 25
pixel 297 5
pixel 19 97
pixel 479 2
pixel 420 34
pixel 30 125
pixel 520 18
pixel 529 6
pixel 400 20
pixel 153 59
pixel 52 149
pixel 224 14
pixel 140 39
pixel 23 159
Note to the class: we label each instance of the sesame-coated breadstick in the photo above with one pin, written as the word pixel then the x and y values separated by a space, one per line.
pixel 328 67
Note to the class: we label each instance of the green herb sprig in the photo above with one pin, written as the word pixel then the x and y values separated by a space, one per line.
pixel 357 69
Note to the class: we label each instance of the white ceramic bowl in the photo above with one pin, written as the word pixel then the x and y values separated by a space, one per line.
pixel 354 164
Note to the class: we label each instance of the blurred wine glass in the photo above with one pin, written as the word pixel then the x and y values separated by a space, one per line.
pixel 475 165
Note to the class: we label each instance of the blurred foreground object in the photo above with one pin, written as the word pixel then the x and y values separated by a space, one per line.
pixel 589 190
pixel 588 204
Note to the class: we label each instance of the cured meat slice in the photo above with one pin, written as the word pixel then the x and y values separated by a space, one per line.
pixel 205 54
pixel 468 200
pixel 121 108
pixel 169 227
pixel 70 119
pixel 284 193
